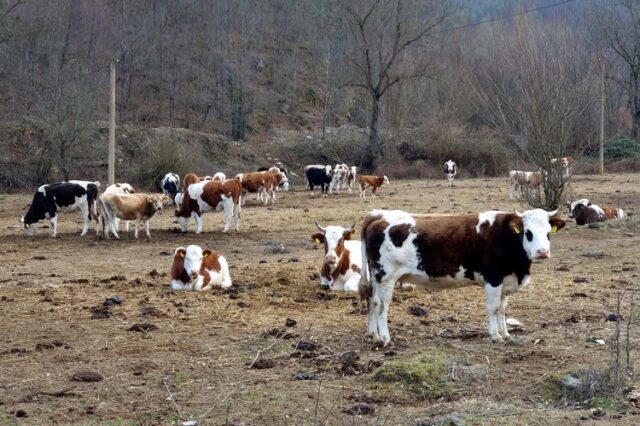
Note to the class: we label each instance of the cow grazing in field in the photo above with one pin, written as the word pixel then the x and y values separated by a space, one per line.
pixel 205 196
pixel 492 249
pixel 374 182
pixel 351 177
pixel 519 180
pixel 120 188
pixel 262 183
pixel 49 199
pixel 450 171
pixel 170 185
pixel 566 163
pixel 318 176
pixel 339 178
pixel 219 176
pixel 342 258
pixel 138 207
pixel 197 269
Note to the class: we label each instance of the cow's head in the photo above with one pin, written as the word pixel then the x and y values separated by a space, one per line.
pixel 192 258
pixel 449 166
pixel 385 180
pixel 573 204
pixel 333 238
pixel 28 228
pixel 328 170
pixel 156 201
pixel 535 226
pixel 126 188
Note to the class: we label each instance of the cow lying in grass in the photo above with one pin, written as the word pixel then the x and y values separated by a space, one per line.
pixel 196 269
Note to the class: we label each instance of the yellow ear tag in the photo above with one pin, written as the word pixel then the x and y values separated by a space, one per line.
pixel 516 230
pixel 317 240
pixel 181 254
pixel 554 229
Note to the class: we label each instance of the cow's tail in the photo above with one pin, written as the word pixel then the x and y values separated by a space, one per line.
pixel 364 287
pixel 104 217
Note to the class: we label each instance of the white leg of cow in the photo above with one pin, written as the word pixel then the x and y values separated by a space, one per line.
pixel 494 297
pixel 227 203
pixel 385 293
pixel 84 210
pixel 184 223
pixel 236 215
pixel 273 195
pixel 198 219
pixel 137 227
pixel 146 228
pixel 54 225
pixel 112 225
pixel 362 193
pixel 502 318
pixel 374 309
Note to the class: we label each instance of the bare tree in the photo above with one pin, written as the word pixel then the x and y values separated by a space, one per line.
pixel 382 31
pixel 534 95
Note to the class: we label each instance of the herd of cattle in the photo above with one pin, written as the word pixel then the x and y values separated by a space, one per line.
pixel 492 249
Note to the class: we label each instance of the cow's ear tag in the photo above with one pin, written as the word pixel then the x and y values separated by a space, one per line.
pixel 317 241
pixel 181 253
pixel 554 229
pixel 515 228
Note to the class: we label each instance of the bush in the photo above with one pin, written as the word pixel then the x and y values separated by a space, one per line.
pixel 622 149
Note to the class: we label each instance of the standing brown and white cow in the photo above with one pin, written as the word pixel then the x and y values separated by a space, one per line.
pixel 491 249
pixel 520 180
pixel 197 269
pixel 262 183
pixel 339 177
pixel 138 207
pixel 205 196
pixel 374 182
pixel 566 164
pixel 342 258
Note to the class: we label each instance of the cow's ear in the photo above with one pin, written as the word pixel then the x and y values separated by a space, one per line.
pixel 180 251
pixel 516 225
pixel 317 238
pixel 349 235
pixel 556 224
pixel 206 253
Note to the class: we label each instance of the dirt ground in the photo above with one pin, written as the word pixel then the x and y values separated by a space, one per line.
pixel 191 360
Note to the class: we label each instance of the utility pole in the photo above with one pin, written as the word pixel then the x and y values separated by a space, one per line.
pixel 601 163
pixel 112 127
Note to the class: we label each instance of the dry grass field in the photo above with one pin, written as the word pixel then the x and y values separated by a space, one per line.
pixel 192 358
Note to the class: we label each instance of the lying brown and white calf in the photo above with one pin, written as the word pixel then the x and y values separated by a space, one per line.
pixel 585 213
pixel 197 269
pixel 342 259
pixel 138 207
pixel 374 182
pixel 491 249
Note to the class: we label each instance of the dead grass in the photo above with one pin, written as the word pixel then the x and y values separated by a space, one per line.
pixel 204 343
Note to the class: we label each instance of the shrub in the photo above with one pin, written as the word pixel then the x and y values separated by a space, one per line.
pixel 622 149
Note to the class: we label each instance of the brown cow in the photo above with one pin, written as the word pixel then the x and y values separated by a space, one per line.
pixel 205 196
pixel 374 182
pixel 138 207
pixel 263 183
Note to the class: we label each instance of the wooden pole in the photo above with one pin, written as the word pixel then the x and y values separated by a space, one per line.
pixel 112 127
pixel 602 99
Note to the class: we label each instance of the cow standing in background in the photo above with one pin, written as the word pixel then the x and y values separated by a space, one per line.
pixel 120 188
pixel 205 196
pixel 339 178
pixel 374 182
pixel 51 198
pixel 519 180
pixel 351 177
pixel 138 207
pixel 450 171
pixel 169 185
pixel 318 175
pixel 566 164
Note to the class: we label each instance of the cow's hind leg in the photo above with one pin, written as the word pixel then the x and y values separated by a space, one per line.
pixel 381 302
pixel 86 216
pixel 502 318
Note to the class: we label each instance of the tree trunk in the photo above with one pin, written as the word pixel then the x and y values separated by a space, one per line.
pixel 370 159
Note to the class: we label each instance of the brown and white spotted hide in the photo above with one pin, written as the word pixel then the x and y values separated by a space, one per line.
pixel 196 269
pixel 205 196
pixel 374 182
pixel 492 249
pixel 342 257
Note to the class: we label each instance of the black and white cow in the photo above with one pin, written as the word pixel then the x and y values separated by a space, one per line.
pixel 450 171
pixel 50 198
pixel 170 185
pixel 318 176
pixel 491 249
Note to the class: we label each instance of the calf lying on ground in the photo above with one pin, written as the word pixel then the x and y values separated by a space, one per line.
pixel 138 207
pixel 342 258
pixel 595 214
pixel 374 182
pixel 491 249
pixel 197 269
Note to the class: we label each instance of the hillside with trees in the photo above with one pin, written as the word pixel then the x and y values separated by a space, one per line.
pixel 490 83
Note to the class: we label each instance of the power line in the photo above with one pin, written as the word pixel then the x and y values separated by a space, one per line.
pixel 504 17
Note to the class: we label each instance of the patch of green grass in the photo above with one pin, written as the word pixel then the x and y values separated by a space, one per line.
pixel 422 377
pixel 594 390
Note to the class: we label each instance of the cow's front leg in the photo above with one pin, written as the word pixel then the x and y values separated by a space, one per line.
pixel 385 294
pixel 198 219
pixel 137 227
pixel 502 318
pixel 494 298
pixel 146 228
pixel 84 209
pixel 374 303
pixel 54 224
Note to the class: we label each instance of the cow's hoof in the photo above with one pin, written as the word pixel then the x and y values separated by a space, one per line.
pixel 497 339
